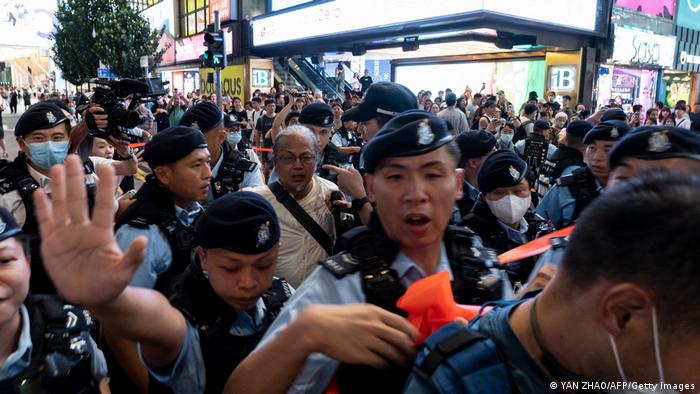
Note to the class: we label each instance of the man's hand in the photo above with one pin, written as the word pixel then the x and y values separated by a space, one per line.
pixel 360 334
pixel 81 255
pixel 100 116
pixel 349 181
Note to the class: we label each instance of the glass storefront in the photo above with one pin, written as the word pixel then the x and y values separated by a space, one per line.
pixel 627 86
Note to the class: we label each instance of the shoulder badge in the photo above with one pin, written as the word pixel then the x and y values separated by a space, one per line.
pixel 425 133
pixel 341 265
pixel 658 142
pixel 50 117
pixel 263 234
pixel 515 174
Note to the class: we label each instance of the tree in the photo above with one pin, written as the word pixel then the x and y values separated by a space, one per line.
pixel 122 36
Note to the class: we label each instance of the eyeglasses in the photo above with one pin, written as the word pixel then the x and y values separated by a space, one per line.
pixel 304 159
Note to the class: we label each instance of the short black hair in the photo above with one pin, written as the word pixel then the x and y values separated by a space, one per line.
pixel 643 231
pixel 566 97
pixel 637 107
pixel 256 99
pixel 529 109
pixel 544 113
pixel 269 101
pixel 585 113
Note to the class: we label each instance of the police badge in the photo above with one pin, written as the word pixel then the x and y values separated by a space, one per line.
pixel 3 226
pixel 263 234
pixel 425 133
pixel 51 117
pixel 658 142
pixel 614 133
pixel 515 174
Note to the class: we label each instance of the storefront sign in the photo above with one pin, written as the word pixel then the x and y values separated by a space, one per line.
pixel 190 48
pixel 276 5
pixel 688 52
pixel 231 81
pixel 689 14
pixel 261 78
pixel 227 10
pixel 642 48
pixel 660 8
pixel 346 16
pixel 562 78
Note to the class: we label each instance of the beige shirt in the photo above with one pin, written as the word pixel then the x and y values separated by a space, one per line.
pixel 299 252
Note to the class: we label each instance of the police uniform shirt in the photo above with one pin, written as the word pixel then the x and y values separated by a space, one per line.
pixel 20 359
pixel 299 252
pixel 518 236
pixel 558 205
pixel 324 288
pixel 12 201
pixel 158 254
pixel 250 178
pixel 520 149
pixel 186 374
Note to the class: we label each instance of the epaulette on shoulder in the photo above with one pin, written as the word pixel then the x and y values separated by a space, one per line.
pixel 341 265
pixel 139 222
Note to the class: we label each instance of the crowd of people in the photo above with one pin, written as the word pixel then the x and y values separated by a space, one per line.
pixel 269 245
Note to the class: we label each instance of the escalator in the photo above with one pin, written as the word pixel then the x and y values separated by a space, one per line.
pixel 303 72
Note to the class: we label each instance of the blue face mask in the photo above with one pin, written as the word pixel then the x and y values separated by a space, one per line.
pixel 49 153
pixel 506 138
pixel 234 137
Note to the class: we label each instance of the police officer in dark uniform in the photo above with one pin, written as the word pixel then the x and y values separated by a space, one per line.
pixel 222 304
pixel 43 132
pixel 566 158
pixel 474 147
pixel 535 149
pixel 166 206
pixel 47 346
pixel 231 171
pixel 575 189
pixel 413 179
pixel 502 217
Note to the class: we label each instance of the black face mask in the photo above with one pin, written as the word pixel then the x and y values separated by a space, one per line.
pixel 554 368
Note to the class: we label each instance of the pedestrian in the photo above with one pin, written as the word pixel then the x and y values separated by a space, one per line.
pixel 366 81
pixel 14 96
pixel 453 116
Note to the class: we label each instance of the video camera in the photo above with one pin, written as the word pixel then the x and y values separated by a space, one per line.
pixel 113 96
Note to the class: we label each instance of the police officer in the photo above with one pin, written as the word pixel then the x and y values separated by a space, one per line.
pixel 166 206
pixel 575 189
pixel 502 217
pixel 618 309
pixel 413 179
pixel 230 170
pixel 234 138
pixel 46 346
pixel 42 132
pixel 223 303
pixel 535 149
pixel 566 158
pixel 474 147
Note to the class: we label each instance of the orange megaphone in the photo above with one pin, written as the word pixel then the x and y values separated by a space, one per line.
pixel 430 305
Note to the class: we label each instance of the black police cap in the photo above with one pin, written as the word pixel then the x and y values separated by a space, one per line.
pixel 613 114
pixel 501 169
pixel 203 116
pixel 611 130
pixel 8 225
pixel 656 143
pixel 40 116
pixel 383 98
pixel 578 128
pixel 475 143
pixel 172 144
pixel 317 114
pixel 242 222
pixel 542 125
pixel 231 120
pixel 412 133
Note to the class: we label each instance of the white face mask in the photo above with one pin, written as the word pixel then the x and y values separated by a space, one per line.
pixel 659 366
pixel 509 209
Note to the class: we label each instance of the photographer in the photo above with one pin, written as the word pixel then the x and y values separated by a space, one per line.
pixel 176 107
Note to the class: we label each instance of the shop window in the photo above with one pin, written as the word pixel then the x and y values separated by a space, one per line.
pixel 194 16
pixel 140 5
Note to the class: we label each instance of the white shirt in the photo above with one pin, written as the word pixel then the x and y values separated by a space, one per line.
pixel 299 252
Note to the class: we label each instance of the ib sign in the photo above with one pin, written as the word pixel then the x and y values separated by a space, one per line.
pixel 689 14
pixel 231 81
pixel 562 78
pixel 262 77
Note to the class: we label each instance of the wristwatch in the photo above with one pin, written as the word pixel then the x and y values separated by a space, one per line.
pixel 357 204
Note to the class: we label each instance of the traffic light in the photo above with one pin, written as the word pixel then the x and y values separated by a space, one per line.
pixel 215 55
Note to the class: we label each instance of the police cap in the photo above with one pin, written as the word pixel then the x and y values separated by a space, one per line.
pixel 412 133
pixel 231 120
pixel 475 143
pixel 8 225
pixel 542 125
pixel 317 114
pixel 501 169
pixel 242 222
pixel 611 130
pixel 613 114
pixel 656 143
pixel 578 128
pixel 172 144
pixel 383 98
pixel 203 116
pixel 40 116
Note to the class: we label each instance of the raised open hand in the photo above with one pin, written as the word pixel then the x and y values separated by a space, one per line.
pixel 80 254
